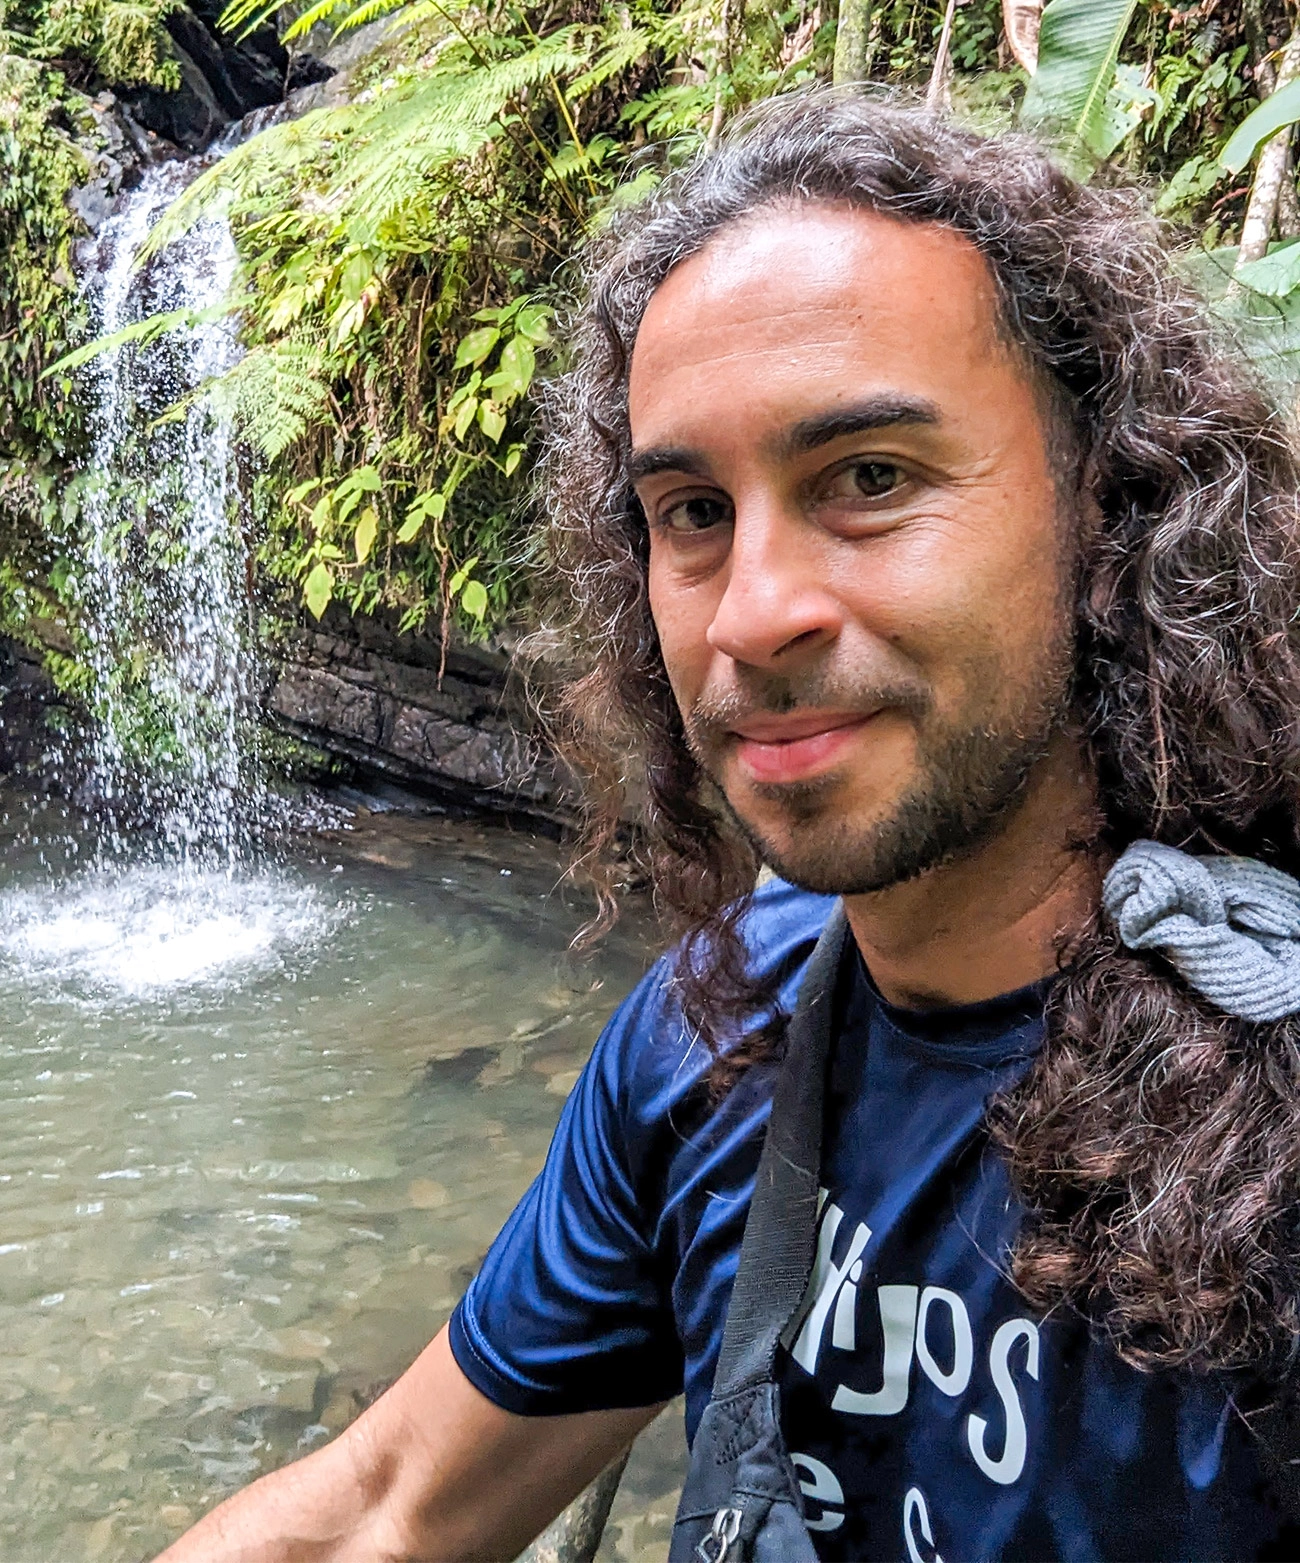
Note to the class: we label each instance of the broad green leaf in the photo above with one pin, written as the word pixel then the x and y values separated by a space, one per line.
pixel 519 361
pixel 1279 109
pixel 532 322
pixel 1268 329
pixel 465 416
pixel 363 539
pixel 468 389
pixel 1078 49
pixel 476 346
pixel 318 589
pixel 366 478
pixel 428 505
pixel 410 528
pixel 491 420
pixel 474 599
pixel 346 322
pixel 358 269
pixel 1126 102
pixel 513 456
pixel 1276 274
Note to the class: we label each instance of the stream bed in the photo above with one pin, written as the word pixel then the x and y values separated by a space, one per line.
pixel 258 1131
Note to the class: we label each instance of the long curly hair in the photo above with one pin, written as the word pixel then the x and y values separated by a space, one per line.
pixel 1155 1142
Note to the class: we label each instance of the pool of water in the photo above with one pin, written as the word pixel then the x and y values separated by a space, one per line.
pixel 258 1130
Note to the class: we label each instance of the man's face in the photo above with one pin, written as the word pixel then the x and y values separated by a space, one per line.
pixel 858 569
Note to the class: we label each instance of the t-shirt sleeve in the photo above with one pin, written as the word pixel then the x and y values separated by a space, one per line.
pixel 571 1310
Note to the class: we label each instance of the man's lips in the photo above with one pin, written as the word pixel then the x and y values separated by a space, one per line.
pixel 797 747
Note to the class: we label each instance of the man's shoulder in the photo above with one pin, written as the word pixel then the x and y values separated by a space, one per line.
pixel 649 1054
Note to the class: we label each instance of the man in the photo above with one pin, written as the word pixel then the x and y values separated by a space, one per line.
pixel 915 538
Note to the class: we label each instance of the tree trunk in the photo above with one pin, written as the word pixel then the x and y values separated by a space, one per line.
pixel 852 41
pixel 1270 170
pixel 1020 23
pixel 1288 204
pixel 938 95
pixel 1257 38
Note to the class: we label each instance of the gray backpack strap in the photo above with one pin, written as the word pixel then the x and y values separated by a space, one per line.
pixel 741 1499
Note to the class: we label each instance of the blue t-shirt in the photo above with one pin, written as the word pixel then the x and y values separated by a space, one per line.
pixel 929 1412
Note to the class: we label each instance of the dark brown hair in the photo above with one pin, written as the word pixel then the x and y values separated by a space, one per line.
pixel 1156 1142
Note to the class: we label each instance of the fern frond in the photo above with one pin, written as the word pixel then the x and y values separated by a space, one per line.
pixel 273 157
pixel 369 11
pixel 275 393
pixel 247 15
pixel 143 332
pixel 322 11
pixel 428 124
pixel 626 50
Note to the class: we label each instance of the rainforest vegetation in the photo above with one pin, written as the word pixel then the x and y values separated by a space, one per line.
pixel 404 251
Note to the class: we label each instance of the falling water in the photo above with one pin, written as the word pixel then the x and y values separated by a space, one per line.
pixel 163 589
pixel 178 896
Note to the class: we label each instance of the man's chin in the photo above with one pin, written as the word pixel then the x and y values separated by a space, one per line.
pixel 815 849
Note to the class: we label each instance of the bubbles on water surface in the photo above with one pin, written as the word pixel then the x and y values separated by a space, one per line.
pixel 149 932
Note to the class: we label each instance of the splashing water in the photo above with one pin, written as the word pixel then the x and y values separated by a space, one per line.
pixel 163 589
pixel 148 933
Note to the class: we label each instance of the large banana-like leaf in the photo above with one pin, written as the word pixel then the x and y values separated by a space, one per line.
pixel 1078 50
pixel 1280 108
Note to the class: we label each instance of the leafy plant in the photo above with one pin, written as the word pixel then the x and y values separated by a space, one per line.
pixel 1075 93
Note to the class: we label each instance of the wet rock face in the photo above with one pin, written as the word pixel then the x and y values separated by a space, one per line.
pixel 378 700
pixel 223 77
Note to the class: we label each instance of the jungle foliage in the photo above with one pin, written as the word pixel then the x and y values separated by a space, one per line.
pixel 403 253
pixel 55 55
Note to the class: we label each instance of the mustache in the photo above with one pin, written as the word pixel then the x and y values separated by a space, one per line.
pixel 751 694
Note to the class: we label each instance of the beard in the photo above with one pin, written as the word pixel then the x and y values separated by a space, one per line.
pixel 970 775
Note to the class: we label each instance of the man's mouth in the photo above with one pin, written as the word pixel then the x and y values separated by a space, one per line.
pixel 797 747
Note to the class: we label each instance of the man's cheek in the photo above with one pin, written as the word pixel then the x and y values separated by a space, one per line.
pixel 685 659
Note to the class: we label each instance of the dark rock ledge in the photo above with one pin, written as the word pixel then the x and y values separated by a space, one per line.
pixel 358 690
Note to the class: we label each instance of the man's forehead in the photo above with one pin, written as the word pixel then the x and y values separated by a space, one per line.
pixel 798 303
pixel 819 258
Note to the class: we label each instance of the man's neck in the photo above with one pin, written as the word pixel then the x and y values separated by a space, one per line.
pixel 993 921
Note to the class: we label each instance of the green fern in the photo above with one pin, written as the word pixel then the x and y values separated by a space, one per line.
pixel 274 394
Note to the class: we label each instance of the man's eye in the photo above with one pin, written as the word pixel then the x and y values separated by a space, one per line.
pixel 696 514
pixel 867 480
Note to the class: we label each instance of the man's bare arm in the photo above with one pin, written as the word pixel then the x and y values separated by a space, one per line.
pixel 433 1472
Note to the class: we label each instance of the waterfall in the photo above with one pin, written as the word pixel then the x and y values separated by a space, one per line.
pixel 177 897
pixel 163 592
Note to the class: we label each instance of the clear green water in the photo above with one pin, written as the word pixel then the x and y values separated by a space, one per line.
pixel 257 1135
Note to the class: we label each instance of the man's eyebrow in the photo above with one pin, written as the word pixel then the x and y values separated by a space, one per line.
pixel 876 412
pixel 665 458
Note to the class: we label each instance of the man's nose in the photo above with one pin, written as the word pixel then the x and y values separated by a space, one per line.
pixel 777 600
